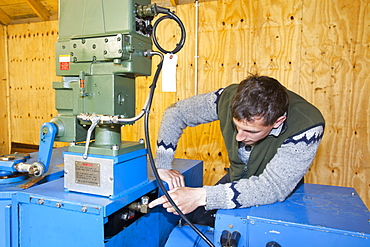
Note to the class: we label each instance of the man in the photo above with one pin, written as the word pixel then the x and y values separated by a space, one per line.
pixel 271 135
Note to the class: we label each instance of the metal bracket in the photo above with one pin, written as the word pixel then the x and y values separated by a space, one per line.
pixel 48 133
pixel 94 122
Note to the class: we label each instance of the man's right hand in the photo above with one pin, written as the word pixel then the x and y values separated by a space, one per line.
pixel 172 177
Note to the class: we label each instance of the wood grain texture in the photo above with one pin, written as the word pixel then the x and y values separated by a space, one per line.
pixel 334 75
pixel 319 49
pixel 31 73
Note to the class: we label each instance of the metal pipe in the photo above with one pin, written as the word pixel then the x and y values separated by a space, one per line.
pixel 118 119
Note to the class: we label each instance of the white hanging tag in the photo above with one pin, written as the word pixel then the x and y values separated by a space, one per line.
pixel 169 73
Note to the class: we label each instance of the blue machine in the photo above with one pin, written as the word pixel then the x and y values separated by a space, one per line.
pixel 102 199
pixel 46 215
pixel 21 182
pixel 314 215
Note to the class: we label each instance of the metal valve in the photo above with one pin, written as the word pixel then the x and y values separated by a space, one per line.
pixel 36 169
pixel 142 207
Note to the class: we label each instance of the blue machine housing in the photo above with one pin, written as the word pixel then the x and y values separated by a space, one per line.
pixel 47 215
pixel 121 174
pixel 314 215
pixel 8 190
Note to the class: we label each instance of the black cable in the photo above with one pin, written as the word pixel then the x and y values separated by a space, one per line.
pixel 152 163
pixel 172 16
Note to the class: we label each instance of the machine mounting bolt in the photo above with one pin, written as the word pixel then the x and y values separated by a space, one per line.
pixel 145 200
pixel 125 216
pixel 231 226
pixel 58 204
pixel 45 130
pixel 40 201
pixel 84 209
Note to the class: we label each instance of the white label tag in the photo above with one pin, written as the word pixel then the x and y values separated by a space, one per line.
pixel 169 73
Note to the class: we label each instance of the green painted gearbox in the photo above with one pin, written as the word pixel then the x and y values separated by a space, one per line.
pixel 102 37
pixel 100 51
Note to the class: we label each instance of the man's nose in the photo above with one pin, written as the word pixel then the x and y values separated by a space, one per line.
pixel 240 136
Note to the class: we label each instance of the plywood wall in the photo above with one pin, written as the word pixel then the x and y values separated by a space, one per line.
pixel 334 74
pixel 31 63
pixel 317 48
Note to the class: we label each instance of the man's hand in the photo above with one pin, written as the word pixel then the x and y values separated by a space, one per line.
pixel 187 199
pixel 173 178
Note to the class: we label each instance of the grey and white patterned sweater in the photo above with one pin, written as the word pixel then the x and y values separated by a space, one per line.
pixel 277 181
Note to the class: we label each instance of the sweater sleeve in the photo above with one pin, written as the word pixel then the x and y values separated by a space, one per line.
pixel 277 181
pixel 188 112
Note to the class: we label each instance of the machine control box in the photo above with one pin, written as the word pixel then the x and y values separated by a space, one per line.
pixel 105 175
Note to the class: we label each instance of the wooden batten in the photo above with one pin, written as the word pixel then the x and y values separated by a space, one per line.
pixel 4 99
pixel 316 48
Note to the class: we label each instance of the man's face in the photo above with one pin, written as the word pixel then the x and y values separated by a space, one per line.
pixel 252 132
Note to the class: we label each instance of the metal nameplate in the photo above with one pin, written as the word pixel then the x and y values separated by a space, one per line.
pixel 87 173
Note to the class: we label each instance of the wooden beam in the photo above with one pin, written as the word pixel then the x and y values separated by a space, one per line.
pixel 4 18
pixel 40 9
pixel 174 2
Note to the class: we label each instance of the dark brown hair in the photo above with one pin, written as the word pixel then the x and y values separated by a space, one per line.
pixel 260 96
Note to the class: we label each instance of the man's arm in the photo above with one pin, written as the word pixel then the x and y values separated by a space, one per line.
pixel 277 181
pixel 189 112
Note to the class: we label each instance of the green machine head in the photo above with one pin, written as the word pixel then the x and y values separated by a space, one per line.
pixel 102 47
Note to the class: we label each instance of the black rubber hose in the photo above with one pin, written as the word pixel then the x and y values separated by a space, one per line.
pixel 152 163
pixel 172 16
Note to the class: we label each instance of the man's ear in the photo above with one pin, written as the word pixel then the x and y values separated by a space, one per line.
pixel 279 121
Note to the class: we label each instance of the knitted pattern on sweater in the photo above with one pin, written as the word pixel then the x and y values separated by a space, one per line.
pixel 277 181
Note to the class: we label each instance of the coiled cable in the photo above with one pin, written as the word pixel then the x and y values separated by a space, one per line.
pixel 169 15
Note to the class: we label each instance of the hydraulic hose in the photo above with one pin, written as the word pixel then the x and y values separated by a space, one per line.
pixel 152 162
pixel 169 15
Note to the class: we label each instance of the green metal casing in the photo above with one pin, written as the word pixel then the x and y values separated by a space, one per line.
pixel 100 37
pixel 106 94
pixel 99 53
